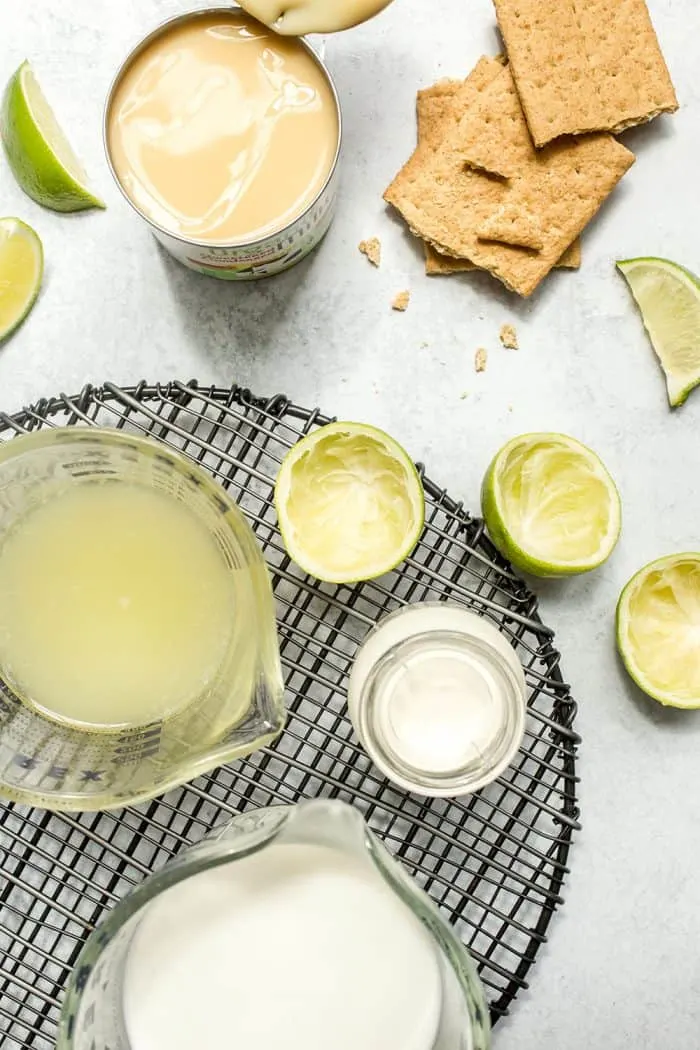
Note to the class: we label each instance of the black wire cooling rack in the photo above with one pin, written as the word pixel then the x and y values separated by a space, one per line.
pixel 495 863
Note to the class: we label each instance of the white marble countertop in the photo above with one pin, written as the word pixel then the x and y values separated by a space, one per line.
pixel 622 966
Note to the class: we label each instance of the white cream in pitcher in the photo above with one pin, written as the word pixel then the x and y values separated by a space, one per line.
pixel 298 946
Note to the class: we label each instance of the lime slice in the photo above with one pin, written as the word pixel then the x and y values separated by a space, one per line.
pixel 658 630
pixel 40 156
pixel 668 297
pixel 350 503
pixel 21 271
pixel 550 505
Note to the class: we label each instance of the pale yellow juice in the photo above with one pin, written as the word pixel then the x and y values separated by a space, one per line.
pixel 116 605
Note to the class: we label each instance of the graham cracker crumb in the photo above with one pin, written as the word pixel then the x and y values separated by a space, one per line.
pixel 480 359
pixel 401 301
pixel 372 248
pixel 509 337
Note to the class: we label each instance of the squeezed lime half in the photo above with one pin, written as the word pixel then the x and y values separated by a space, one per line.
pixel 550 505
pixel 658 630
pixel 21 272
pixel 38 152
pixel 350 503
pixel 668 297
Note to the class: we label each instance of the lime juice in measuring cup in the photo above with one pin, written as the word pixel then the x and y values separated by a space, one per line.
pixel 137 636
pixel 289 927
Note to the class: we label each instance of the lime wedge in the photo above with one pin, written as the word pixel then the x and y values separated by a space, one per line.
pixel 550 506
pixel 21 271
pixel 350 503
pixel 658 630
pixel 668 297
pixel 39 154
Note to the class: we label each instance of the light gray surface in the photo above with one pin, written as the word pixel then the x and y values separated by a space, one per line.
pixel 622 968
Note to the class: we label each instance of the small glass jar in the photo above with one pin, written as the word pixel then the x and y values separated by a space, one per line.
pixel 437 698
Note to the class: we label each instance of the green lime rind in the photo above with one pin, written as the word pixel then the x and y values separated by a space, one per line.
pixel 34 162
pixel 501 534
pixel 622 624
pixel 674 333
pixel 16 227
pixel 378 563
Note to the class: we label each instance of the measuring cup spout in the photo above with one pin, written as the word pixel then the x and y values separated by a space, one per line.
pixel 328 822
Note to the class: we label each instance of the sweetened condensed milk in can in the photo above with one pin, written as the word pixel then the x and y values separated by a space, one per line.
pixel 225 138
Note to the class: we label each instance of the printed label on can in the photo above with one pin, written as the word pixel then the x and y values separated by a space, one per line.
pixel 265 258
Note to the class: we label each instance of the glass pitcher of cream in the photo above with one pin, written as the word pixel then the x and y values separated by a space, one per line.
pixel 290 926
pixel 138 645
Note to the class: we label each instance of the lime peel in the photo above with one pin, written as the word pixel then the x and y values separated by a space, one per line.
pixel 39 154
pixel 668 297
pixel 550 505
pixel 350 503
pixel 658 630
pixel 21 273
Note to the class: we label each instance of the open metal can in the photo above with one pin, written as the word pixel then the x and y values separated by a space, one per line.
pixel 243 260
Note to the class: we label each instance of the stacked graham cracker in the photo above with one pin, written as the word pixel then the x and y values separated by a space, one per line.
pixel 512 163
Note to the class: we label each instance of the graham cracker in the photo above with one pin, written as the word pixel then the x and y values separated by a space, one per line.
pixel 435 103
pixel 509 337
pixel 439 265
pixel 372 248
pixel 585 65
pixel 512 225
pixel 434 108
pixel 482 136
pixel 496 134
pixel 571 259
pixel 445 203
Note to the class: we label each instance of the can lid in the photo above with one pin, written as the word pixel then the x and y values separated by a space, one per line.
pixel 437 700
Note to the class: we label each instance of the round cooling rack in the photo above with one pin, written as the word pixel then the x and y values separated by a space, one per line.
pixel 494 863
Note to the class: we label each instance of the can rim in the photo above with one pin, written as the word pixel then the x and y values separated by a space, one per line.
pixel 125 65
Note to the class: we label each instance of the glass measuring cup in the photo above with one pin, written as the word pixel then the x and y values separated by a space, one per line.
pixel 58 764
pixel 93 1015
